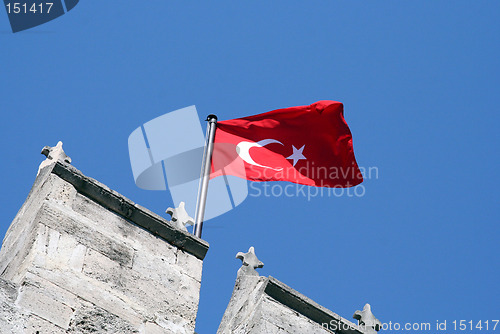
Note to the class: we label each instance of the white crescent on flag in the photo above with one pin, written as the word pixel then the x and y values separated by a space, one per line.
pixel 243 150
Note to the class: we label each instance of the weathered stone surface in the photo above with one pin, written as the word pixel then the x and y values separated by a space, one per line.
pixel 50 290
pixel 35 324
pixel 154 266
pixel 174 324
pixel 262 326
pixel 35 301
pixel 11 316
pixel 8 293
pixel 152 328
pixel 170 296
pixel 117 226
pixel 285 319
pixel 246 296
pixel 126 208
pixel 189 265
pixel 57 250
pixel 23 231
pixel 61 192
pixel 62 219
pixel 91 319
pixel 93 291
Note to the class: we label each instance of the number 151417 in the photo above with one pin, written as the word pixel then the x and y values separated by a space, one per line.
pixel 23 8
pixel 471 325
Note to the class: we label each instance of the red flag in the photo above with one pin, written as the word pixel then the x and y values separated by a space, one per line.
pixel 309 145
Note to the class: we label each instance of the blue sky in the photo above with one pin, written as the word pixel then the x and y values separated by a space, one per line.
pixel 420 85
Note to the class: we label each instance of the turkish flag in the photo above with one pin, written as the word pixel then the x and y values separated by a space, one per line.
pixel 309 145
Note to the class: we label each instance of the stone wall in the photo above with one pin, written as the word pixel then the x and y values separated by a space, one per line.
pixel 265 305
pixel 81 258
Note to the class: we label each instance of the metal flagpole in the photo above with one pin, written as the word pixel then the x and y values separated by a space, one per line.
pixel 204 175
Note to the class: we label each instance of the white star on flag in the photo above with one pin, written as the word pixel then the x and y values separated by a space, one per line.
pixel 297 154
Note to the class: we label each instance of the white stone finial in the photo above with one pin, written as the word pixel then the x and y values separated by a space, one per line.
pixel 250 262
pixel 367 320
pixel 180 216
pixel 53 154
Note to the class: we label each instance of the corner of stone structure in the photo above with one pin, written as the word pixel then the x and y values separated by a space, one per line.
pixel 266 305
pixel 80 257
pixel 22 232
pixel 248 288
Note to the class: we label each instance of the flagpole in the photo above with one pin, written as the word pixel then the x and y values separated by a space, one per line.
pixel 205 174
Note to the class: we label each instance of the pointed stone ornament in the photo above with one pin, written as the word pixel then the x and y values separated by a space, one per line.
pixel 367 320
pixel 250 262
pixel 180 216
pixel 53 154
